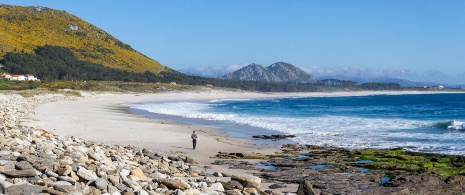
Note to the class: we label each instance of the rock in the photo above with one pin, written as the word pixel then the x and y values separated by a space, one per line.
pixel 196 170
pixel 277 185
pixel 233 192
pixel 86 174
pixel 23 165
pixel 179 192
pixel 217 174
pixel 250 191
pixel 305 188
pixel 217 187
pixel 173 183
pixel 64 186
pixel 143 192
pixel 101 184
pixel 125 172
pixel 138 173
pixel 23 189
pixel 20 173
pixel 66 178
pixel 5 184
pixel 247 180
pixel 50 173
pixel 232 185
pixel 189 160
pixel 9 166
pixel 273 137
pixel 64 170
pixel 53 191
pixel 112 189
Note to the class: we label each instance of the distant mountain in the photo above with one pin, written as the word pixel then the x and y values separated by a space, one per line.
pixel 24 29
pixel 277 72
pixel 402 82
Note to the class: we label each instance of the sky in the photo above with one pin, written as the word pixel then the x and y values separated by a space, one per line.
pixel 418 40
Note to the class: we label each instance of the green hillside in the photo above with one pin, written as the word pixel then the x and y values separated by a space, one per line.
pixel 23 29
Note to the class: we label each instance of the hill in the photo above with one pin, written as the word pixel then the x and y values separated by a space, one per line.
pixel 23 29
pixel 276 73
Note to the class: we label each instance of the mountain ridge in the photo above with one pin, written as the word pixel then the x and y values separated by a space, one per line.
pixel 277 72
pixel 23 29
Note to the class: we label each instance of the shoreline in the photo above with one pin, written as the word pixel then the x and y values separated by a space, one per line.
pixel 95 116
pixel 103 118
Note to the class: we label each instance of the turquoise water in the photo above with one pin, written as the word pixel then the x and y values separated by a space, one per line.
pixel 415 122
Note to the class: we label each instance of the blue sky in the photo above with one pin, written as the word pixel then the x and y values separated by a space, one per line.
pixel 417 40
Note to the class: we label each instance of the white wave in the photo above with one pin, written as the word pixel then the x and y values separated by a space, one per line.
pixel 457 125
pixel 340 131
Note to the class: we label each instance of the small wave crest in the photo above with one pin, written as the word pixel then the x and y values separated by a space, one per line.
pixel 457 125
pixel 441 125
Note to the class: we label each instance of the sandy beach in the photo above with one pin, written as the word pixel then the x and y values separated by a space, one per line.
pixel 102 118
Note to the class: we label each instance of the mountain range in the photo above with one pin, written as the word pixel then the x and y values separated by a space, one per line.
pixel 277 72
pixel 23 29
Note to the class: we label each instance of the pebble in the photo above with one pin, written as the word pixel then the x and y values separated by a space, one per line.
pixel 37 161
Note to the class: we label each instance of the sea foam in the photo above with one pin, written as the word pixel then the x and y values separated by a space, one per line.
pixel 350 130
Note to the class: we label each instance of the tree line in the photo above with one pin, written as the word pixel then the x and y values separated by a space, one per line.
pixel 52 63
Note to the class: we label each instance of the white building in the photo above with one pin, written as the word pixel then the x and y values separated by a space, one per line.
pixel 18 77
pixel 5 76
pixel 31 77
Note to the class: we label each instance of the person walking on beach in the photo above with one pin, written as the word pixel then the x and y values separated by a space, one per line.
pixel 194 139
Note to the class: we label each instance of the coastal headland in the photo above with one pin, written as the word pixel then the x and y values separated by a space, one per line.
pixel 97 123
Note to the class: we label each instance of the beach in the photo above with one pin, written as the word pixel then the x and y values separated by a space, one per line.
pixel 103 118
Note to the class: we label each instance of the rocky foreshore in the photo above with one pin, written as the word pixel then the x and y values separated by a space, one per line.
pixel 34 161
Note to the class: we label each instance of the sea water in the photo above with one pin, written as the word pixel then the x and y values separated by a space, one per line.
pixel 415 122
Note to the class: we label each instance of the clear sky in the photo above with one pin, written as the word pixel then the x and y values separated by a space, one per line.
pixel 418 40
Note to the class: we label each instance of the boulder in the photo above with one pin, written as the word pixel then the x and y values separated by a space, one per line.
pixel 305 188
pixel 86 174
pixel 173 183
pixel 20 173
pixel 23 165
pixel 247 180
pixel 138 173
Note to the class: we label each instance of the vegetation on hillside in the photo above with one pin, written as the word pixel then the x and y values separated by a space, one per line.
pixel 23 29
pixel 53 63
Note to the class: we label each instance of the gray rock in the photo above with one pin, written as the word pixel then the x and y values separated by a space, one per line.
pixel 122 187
pixel 179 192
pixel 23 189
pixel 112 189
pixel 9 166
pixel 51 173
pixel 86 174
pixel 64 186
pixel 5 184
pixel 23 165
pixel 66 178
pixel 38 163
pixel 247 180
pixel 217 187
pixel 101 183
pixel 20 173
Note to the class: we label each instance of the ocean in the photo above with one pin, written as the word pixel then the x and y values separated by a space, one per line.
pixel 415 122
